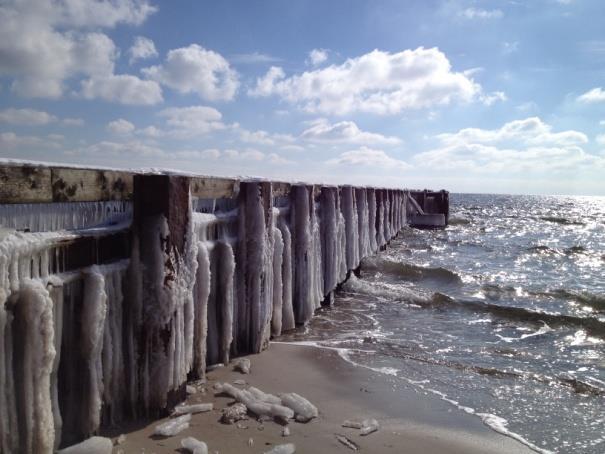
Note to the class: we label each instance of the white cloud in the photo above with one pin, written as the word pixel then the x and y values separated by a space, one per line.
pixel 261 137
pixel 602 122
pixel 249 154
pixel 345 132
pixel 595 95
pixel 122 88
pixel 120 126
pixel 491 98
pixel 254 57
pixel 194 69
pixel 510 47
pixel 528 132
pixel 478 13
pixel 365 156
pixel 191 121
pixel 520 146
pixel 11 141
pixel 73 121
pixel 600 139
pixel 317 57
pixel 141 49
pixel 119 149
pixel 26 117
pixel 44 42
pixel 378 82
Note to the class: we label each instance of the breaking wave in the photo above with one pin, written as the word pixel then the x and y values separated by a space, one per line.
pixel 409 271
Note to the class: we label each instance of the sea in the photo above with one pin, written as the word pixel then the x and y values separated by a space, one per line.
pixel 502 314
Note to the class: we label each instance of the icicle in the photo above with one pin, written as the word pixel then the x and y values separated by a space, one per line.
pixel 372 219
pixel 34 368
pixel 94 310
pixel 287 322
pixel 202 292
pixel 225 285
pixel 317 271
pixel 56 295
pixel 329 231
pixel 302 260
pixel 363 222
pixel 351 225
pixel 278 287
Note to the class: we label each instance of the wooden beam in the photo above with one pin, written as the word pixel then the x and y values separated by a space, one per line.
pixel 76 185
pixel 25 184
pixel 214 188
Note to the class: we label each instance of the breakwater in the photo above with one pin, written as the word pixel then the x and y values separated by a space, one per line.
pixel 116 288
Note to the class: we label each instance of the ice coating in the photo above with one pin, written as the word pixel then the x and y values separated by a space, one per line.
pixel 194 445
pixel 287 448
pixel 173 426
pixel 92 445
pixel 205 279
pixel 303 409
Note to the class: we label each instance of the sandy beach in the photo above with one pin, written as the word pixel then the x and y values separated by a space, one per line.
pixel 409 422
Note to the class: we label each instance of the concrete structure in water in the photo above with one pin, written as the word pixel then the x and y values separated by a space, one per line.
pixel 116 288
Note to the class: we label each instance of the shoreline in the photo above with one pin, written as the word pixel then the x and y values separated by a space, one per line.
pixel 410 421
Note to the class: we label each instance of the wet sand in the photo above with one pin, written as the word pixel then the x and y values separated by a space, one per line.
pixel 410 422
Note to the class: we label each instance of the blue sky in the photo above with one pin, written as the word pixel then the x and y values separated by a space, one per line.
pixel 477 96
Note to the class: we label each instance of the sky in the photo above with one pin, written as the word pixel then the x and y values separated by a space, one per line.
pixel 465 95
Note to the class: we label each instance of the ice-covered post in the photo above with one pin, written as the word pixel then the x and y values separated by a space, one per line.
pixel 255 261
pixel 163 259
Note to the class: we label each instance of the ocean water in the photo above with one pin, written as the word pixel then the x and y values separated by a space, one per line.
pixel 502 315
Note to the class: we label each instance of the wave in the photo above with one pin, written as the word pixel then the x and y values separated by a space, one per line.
pixel 596 302
pixel 592 325
pixel 542 248
pixel 408 352
pixel 458 220
pixel 561 220
pixel 409 271
pixel 355 285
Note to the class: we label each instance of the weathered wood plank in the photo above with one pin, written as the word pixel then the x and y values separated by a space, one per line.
pixel 25 184
pixel 78 185
pixel 281 189
pixel 214 188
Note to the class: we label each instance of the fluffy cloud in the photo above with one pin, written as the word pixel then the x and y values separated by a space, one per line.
pixel 141 49
pixel 194 120
pixel 528 132
pixel 194 69
pixel 11 141
pixel 122 88
pixel 522 146
pixel 120 126
pixel 593 96
pixel 344 132
pixel 601 139
pixel 478 13
pixel 26 117
pixel 317 57
pixel 44 42
pixel 261 137
pixel 365 156
pixel 378 82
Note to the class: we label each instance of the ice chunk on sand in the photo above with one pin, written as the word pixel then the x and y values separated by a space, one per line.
pixel 234 413
pixel 194 445
pixel 197 408
pixel 285 432
pixel 242 365
pixel 287 448
pixel 94 445
pixel 303 409
pixel 191 389
pixel 264 397
pixel 172 427
pixel 352 424
pixel 369 426
pixel 256 406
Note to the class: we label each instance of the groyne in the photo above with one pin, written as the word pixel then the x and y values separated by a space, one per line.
pixel 116 288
